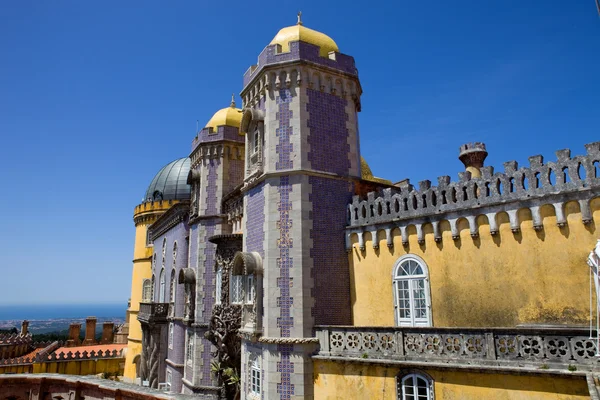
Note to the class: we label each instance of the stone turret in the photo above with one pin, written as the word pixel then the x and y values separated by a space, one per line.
pixel 472 155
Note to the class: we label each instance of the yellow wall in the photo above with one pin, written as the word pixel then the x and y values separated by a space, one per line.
pixel 16 369
pixel 336 380
pixel 81 367
pixel 144 215
pixel 501 280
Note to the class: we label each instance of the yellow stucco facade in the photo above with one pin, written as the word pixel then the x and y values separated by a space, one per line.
pixel 144 215
pixel 343 380
pixel 502 280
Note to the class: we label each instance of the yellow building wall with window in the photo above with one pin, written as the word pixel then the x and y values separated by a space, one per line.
pixel 529 277
pixel 337 380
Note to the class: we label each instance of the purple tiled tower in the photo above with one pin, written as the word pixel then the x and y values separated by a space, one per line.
pixel 216 168
pixel 302 157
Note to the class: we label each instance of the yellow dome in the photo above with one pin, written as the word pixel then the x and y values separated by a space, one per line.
pixel 365 170
pixel 303 34
pixel 367 175
pixel 229 116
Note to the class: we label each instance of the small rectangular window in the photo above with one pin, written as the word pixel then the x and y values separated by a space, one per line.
pixel 250 291
pixel 237 289
pixel 190 347
pixel 218 284
pixel 255 378
pixel 171 329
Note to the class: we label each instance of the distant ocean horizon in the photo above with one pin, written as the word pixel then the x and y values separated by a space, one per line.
pixel 55 311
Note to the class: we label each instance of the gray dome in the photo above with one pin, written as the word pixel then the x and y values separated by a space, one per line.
pixel 170 183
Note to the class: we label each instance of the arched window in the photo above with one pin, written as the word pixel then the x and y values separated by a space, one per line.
pixel 172 288
pixel 236 289
pixel 152 292
pixel 415 386
pixel 411 292
pixel 218 285
pixel 255 376
pixel 256 139
pixel 161 290
pixel 164 251
pixel 147 290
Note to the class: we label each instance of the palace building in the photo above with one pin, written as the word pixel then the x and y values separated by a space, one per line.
pixel 270 263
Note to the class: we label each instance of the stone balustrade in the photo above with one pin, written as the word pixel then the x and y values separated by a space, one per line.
pixel 153 312
pixel 56 386
pixel 491 346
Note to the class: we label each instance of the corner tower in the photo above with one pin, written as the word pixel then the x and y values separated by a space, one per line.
pixel 302 158
pixel 166 189
pixel 216 169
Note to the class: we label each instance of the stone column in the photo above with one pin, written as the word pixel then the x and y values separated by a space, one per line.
pixel 90 331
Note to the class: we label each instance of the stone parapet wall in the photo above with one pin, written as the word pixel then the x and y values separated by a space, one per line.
pixel 553 183
pixel 493 347
pixel 36 387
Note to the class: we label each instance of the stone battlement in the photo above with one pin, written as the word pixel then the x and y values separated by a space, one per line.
pixel 556 182
pixel 14 339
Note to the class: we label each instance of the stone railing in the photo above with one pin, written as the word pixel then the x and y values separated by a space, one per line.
pixel 492 346
pixel 56 386
pixel 576 178
pixel 153 312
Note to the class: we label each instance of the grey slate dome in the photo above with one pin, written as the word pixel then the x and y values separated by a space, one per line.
pixel 170 183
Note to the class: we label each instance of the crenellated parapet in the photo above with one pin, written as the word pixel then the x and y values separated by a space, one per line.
pixel 298 50
pixel 148 212
pixel 15 339
pixel 221 150
pixel 553 183
pixel 77 355
pixel 290 76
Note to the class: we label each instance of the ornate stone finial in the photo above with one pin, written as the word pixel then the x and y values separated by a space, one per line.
pixel 299 17
pixel 232 105
pixel 473 154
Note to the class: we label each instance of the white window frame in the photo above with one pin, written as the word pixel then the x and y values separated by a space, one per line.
pixel 409 383
pixel 171 334
pixel 189 348
pixel 147 290
pixel 255 375
pixel 218 285
pixel 153 284
pixel 162 286
pixel 250 289
pixel 410 283
pixel 256 139
pixel 169 379
pixel 236 289
pixel 173 288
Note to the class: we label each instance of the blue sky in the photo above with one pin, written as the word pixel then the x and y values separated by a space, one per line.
pixel 95 97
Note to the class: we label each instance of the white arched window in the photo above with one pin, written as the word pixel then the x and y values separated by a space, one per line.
pixel 161 290
pixel 152 292
pixel 415 386
pixel 172 288
pixel 218 285
pixel 411 292
pixel 147 291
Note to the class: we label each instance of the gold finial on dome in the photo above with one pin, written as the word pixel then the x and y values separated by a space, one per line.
pixel 299 18
pixel 232 105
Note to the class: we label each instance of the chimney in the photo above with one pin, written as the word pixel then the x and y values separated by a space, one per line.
pixel 24 327
pixel 90 330
pixel 472 156
pixel 108 332
pixel 74 332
